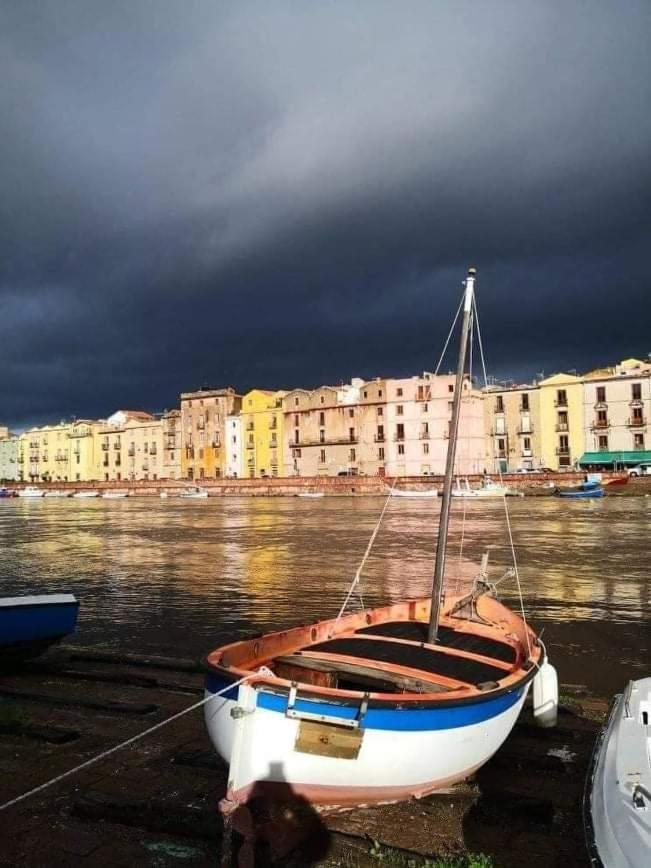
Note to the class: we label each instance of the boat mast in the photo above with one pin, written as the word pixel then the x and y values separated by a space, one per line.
pixel 444 520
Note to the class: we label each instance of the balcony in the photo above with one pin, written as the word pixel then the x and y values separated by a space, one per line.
pixel 328 441
pixel 250 444
pixel 379 438
pixel 499 408
pixel 527 453
pixel 562 450
pixel 600 424
pixel 562 426
pixel 496 433
pixel 105 446
pixel 601 405
pixel 273 444
pixel 636 402
pixel 216 444
pixel 525 429
pixel 117 445
pixel 637 422
pixel 132 451
pixel 560 402
pixel 153 450
pixel 423 435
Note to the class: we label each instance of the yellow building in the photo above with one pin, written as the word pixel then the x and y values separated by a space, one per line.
pixel 45 453
pixel 262 433
pixel 84 451
pixel 561 421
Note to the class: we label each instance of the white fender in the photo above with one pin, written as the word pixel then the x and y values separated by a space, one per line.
pixel 545 696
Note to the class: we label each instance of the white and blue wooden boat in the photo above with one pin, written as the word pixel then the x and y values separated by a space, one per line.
pixel 384 704
pixel 585 490
pixel 28 625
pixel 618 788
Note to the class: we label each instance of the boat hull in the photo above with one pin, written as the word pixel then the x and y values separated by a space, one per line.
pixel 618 800
pixel 581 495
pixel 401 752
pixel 28 625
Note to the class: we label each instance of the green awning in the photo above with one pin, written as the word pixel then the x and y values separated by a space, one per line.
pixel 629 458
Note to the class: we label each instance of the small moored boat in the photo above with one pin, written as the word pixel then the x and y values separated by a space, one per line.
pixel 383 704
pixel 618 788
pixel 488 489
pixel 31 491
pixel 585 490
pixel 57 492
pixel 7 492
pixel 86 493
pixel 28 625
pixel 114 495
pixel 311 494
pixel 195 493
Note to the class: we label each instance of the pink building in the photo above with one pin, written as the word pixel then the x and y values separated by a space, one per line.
pixel 418 413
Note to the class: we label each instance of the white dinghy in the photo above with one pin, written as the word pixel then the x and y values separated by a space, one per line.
pixel 384 704
pixel 426 493
pixel 488 489
pixel 618 791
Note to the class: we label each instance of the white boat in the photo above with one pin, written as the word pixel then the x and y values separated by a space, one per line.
pixel 57 492
pixel 31 491
pixel 383 704
pixel 618 791
pixel 86 493
pixel 311 494
pixel 414 492
pixel 195 493
pixel 488 489
pixel 163 495
pixel 114 495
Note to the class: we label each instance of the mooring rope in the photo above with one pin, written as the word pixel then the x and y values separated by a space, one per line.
pixel 120 746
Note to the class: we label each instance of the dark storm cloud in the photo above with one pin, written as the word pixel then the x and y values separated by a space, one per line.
pixel 283 194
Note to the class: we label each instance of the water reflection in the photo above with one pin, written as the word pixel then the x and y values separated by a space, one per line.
pixel 180 576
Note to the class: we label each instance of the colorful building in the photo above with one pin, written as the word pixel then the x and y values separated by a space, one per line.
pixel 203 427
pixel 616 411
pixel 561 421
pixel 262 433
pixel 171 444
pixel 512 428
pixel 9 466
pixel 45 453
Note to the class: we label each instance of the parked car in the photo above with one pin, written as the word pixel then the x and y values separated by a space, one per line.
pixel 640 470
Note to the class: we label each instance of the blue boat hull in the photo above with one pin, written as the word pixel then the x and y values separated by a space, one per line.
pixel 29 625
pixel 580 495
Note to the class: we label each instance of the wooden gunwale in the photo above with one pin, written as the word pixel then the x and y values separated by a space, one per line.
pixel 240 659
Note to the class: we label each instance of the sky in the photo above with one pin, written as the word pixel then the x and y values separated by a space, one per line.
pixel 281 194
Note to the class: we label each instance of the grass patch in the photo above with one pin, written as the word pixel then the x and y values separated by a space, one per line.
pixel 389 856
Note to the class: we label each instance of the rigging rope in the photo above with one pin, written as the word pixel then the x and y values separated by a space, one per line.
pixel 506 509
pixel 445 347
pixel 358 572
pixel 122 745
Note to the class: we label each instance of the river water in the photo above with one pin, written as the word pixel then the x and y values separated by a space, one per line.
pixel 178 577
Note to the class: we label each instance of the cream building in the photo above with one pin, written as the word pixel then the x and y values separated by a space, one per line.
pixel 512 428
pixel 9 467
pixel 46 453
pixel 616 410
pixel 234 451
pixel 172 437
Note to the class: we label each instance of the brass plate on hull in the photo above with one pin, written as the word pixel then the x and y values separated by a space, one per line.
pixel 327 739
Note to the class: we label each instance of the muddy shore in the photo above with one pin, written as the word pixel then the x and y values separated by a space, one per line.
pixel 155 803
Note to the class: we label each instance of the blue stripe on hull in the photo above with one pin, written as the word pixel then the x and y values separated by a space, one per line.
pixel 396 719
pixel 37 623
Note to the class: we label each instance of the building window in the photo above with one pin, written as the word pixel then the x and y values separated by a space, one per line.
pixel 322 436
pixel 296 402
pixel 322 456
pixel 400 432
pixel 603 443
pixel 425 408
pixel 322 418
pixel 351 434
pixel 602 418
pixel 380 433
pixel 637 415
pixel 380 453
pixel 351 412
pixel 351 456
pixel 399 392
pixel 501 444
pixel 638 441
pixel 526 444
pixel 399 409
pixel 379 393
pixel 525 401
pixel 499 404
pixel 322 399
pixel 380 411
pixel 297 438
pixel 601 394
pixel 401 448
pixel 365 393
pixel 296 418
pixel 561 398
pixel 425 448
pixel 636 391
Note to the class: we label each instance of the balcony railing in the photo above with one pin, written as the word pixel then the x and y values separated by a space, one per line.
pixel 600 424
pixel 273 444
pixel 527 453
pixel 560 402
pixel 117 445
pixel 637 422
pixel 105 446
pixel 525 430
pixel 636 402
pixel 423 435
pixel 329 441
pixel 601 405
pixel 250 444
pixel 379 438
pixel 498 408
pixel 562 450
pixel 563 426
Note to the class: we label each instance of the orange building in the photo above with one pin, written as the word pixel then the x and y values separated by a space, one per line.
pixel 203 431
